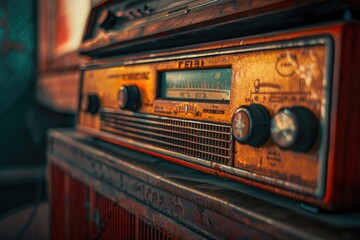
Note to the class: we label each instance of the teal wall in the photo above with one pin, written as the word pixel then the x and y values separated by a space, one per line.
pixel 17 79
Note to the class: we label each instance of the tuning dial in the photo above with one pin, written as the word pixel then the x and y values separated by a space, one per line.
pixel 294 128
pixel 128 97
pixel 90 103
pixel 107 20
pixel 250 125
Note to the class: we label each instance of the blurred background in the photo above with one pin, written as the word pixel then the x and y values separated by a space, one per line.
pixel 38 90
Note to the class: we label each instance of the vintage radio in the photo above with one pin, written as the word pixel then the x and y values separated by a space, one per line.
pixel 277 111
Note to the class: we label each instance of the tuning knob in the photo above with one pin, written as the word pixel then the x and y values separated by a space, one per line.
pixel 90 103
pixel 129 97
pixel 107 20
pixel 250 125
pixel 294 128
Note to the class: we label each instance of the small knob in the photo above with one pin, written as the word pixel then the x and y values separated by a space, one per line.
pixel 107 20
pixel 129 97
pixel 250 125
pixel 90 103
pixel 294 128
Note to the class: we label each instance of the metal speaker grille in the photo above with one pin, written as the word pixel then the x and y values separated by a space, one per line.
pixel 150 231
pixel 77 205
pixel 207 141
pixel 112 221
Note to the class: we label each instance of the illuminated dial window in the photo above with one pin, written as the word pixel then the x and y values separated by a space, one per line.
pixel 199 85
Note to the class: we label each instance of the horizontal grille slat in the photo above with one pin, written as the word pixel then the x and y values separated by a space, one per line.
pixel 138 129
pixel 190 131
pixel 179 123
pixel 145 138
pixel 206 141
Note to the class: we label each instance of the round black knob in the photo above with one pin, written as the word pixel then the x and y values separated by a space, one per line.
pixel 90 103
pixel 250 125
pixel 129 97
pixel 294 128
pixel 107 19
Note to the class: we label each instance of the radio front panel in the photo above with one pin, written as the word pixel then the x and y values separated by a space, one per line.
pixel 256 110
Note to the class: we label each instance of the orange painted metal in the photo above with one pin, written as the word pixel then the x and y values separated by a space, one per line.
pixel 334 84
pixel 343 178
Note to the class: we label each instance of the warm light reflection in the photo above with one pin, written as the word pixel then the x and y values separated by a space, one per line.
pixel 70 23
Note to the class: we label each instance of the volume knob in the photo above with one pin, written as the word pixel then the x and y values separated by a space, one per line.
pixel 250 125
pixel 294 128
pixel 90 103
pixel 128 97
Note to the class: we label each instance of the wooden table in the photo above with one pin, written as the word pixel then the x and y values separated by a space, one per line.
pixel 99 190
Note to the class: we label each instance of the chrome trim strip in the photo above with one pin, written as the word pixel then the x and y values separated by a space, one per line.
pixel 204 3
pixel 325 116
pixel 141 115
pixel 209 53
pixel 260 47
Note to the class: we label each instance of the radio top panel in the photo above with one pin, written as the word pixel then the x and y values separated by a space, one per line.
pixel 131 26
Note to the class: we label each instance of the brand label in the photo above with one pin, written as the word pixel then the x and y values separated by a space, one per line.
pixel 131 76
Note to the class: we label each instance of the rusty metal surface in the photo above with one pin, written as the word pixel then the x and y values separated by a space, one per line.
pixel 334 157
pixel 274 74
pixel 210 206
pixel 176 25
